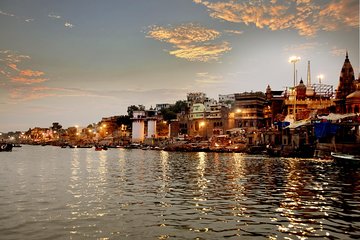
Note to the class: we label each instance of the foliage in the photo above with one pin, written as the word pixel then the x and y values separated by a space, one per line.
pixel 171 112
pixel 132 108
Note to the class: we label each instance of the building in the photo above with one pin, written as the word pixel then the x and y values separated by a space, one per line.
pixel 347 85
pixel 249 110
pixel 162 106
pixel 273 109
pixel 227 100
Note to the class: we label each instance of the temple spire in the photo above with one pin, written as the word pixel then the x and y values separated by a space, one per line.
pixel 308 83
pixel 347 54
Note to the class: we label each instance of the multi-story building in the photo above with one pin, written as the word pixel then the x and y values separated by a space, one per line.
pixel 249 110
pixel 227 100
pixel 162 106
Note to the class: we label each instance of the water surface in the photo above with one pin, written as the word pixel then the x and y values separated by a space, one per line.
pixel 54 193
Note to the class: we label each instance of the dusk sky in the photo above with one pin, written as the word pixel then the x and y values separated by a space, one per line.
pixel 74 62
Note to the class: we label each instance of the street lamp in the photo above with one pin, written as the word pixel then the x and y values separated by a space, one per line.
pixel 320 77
pixel 294 60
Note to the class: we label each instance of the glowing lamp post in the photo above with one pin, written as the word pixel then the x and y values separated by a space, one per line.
pixel 320 77
pixel 294 60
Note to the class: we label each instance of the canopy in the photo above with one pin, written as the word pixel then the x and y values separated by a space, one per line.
pixel 336 117
pixel 298 124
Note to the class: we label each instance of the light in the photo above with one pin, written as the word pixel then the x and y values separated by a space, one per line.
pixel 294 59
pixel 238 110
pixel 320 77
pixel 77 126
pixel 201 124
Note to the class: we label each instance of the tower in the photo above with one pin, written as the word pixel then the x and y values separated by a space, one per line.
pixel 308 83
pixel 346 85
pixel 138 126
pixel 309 89
pixel 346 81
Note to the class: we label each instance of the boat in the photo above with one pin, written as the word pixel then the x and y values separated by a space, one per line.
pixel 6 147
pixel 344 156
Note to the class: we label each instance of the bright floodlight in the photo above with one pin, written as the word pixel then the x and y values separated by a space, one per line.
pixel 294 59
pixel 320 77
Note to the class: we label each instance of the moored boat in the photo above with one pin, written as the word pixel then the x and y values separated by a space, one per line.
pixel 6 147
pixel 345 157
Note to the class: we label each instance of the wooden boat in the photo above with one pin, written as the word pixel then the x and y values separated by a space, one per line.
pixel 344 156
pixel 6 147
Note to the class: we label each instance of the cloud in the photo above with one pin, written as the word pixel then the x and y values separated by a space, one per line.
pixel 7 14
pixel 233 32
pixel 190 41
pixel 10 68
pixel 301 47
pixel 335 51
pixel 183 34
pixel 27 93
pixel 204 53
pixel 31 73
pixel 305 16
pixel 52 15
pixel 206 78
pixel 68 25
pixel 26 80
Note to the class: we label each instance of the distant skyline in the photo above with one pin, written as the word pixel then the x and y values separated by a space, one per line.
pixel 74 62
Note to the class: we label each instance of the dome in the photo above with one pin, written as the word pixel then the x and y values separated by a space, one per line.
pixel 355 95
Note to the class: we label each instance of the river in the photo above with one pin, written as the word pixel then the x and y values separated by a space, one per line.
pixel 55 193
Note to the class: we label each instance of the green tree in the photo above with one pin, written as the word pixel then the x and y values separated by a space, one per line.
pixel 132 108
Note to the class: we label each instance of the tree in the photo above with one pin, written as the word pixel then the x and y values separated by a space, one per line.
pixel 56 126
pixel 180 106
pixel 132 108
pixel 168 114
pixel 123 120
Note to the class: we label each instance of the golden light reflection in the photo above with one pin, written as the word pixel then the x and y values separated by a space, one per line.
pixel 305 196
pixel 164 156
pixel 102 165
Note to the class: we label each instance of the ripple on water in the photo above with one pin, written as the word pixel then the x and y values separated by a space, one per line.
pixel 54 193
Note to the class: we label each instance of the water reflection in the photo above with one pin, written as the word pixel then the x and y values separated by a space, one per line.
pixel 135 194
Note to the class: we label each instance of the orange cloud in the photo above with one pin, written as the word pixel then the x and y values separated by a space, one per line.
pixel 12 71
pixel 183 34
pixel 305 16
pixel 19 79
pixel 204 53
pixel 190 41
pixel 31 73
pixel 13 66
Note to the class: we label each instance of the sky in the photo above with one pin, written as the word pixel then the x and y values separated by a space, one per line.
pixel 74 62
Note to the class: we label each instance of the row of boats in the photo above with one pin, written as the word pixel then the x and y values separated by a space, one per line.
pixel 7 147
